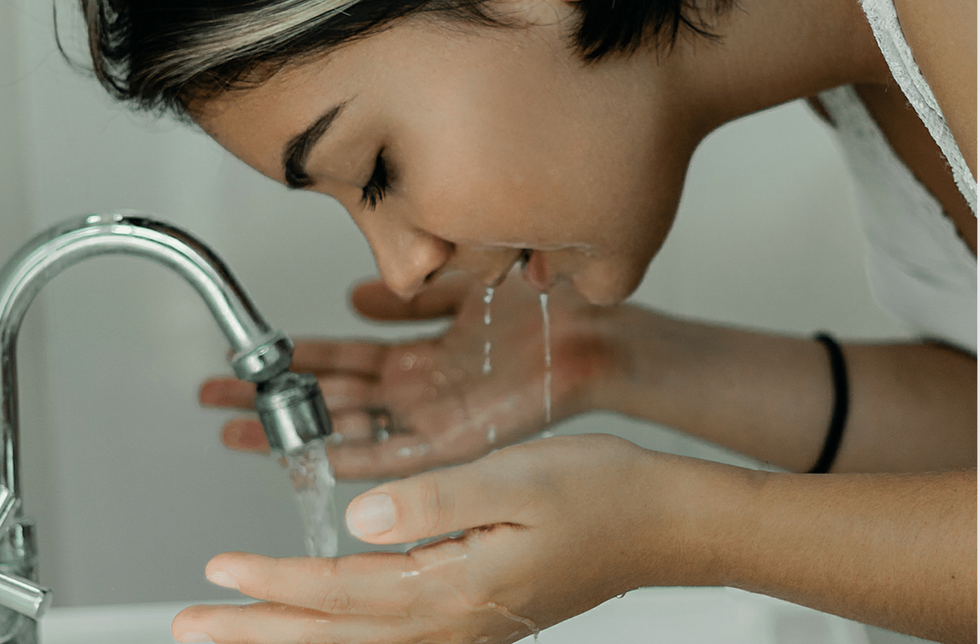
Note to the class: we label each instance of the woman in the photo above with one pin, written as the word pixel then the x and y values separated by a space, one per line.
pixel 466 138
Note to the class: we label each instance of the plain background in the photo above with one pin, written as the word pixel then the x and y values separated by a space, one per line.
pixel 124 472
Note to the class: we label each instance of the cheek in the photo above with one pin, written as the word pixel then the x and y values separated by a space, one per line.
pixel 491 169
pixel 470 195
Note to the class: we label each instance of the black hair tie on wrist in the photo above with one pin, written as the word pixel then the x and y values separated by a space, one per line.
pixel 838 371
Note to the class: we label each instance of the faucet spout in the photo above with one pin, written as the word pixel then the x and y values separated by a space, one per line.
pixel 290 405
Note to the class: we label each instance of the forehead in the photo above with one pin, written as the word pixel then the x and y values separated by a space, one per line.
pixel 255 123
pixel 288 100
pixel 401 75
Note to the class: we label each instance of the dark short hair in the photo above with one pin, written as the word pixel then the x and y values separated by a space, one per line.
pixel 165 55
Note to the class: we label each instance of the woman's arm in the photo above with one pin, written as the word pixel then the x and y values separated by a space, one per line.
pixel 912 406
pixel 897 551
pixel 943 38
pixel 554 527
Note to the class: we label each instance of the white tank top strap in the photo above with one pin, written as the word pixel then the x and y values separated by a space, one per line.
pixel 884 22
pixel 919 268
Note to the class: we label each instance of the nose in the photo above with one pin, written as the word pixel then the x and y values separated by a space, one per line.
pixel 406 257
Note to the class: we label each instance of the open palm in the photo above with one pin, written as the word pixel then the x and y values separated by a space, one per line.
pixel 400 408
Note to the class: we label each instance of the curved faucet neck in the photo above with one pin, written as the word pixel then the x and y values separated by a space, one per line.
pixel 260 352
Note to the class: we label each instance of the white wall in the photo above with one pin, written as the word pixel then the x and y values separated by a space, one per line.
pixel 125 473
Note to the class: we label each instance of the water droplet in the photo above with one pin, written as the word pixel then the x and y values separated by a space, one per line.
pixel 517 618
pixel 408 361
pixel 487 367
pixel 491 434
pixel 419 450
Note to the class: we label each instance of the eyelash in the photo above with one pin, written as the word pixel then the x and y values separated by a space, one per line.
pixel 377 186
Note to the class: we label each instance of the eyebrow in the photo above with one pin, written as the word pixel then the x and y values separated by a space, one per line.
pixel 296 152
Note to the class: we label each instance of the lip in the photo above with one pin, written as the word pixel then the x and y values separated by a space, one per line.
pixel 536 271
pixel 517 261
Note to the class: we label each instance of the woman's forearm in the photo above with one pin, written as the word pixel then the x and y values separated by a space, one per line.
pixel 893 550
pixel 912 406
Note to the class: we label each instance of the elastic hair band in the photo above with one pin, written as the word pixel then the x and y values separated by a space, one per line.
pixel 838 371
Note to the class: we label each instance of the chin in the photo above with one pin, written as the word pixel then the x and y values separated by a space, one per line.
pixel 606 291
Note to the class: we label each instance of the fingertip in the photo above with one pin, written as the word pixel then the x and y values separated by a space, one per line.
pixel 371 516
pixel 184 628
pixel 209 393
pixel 370 297
pixel 223 579
pixel 231 565
pixel 245 434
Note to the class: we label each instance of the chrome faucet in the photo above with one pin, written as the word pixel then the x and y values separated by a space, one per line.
pixel 289 404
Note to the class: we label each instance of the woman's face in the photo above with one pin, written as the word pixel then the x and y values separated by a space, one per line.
pixel 462 148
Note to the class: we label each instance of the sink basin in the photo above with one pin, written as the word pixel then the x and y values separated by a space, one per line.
pixel 702 616
pixel 674 615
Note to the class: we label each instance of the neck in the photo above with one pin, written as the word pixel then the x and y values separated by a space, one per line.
pixel 771 52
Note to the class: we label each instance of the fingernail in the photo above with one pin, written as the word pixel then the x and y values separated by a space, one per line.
pixel 221 578
pixel 194 637
pixel 371 515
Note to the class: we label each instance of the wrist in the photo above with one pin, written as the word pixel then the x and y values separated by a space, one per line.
pixel 589 354
pixel 705 510
pixel 643 363
pixel 608 344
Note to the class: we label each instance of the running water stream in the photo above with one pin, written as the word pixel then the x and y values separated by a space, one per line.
pixel 313 480
pixel 546 331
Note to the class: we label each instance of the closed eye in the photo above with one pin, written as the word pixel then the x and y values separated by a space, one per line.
pixel 377 186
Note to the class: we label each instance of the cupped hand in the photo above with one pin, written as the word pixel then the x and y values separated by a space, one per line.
pixel 400 408
pixel 549 528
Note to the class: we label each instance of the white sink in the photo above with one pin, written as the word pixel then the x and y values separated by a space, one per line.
pixel 668 615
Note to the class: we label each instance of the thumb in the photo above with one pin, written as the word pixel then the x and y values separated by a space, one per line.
pixel 437 503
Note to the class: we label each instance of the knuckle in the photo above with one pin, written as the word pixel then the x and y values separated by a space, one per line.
pixel 437 507
pixel 336 600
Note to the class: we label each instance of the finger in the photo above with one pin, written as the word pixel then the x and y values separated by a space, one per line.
pixel 245 434
pixel 341 392
pixel 375 301
pixel 380 584
pixel 354 425
pixel 486 492
pixel 400 455
pixel 227 392
pixel 344 357
pixel 270 623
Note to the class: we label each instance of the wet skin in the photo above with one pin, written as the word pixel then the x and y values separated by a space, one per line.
pixel 498 141
pixel 482 160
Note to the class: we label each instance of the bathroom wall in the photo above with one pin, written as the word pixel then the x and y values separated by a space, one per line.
pixel 131 487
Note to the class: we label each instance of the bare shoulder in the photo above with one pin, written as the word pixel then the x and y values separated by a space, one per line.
pixel 943 38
